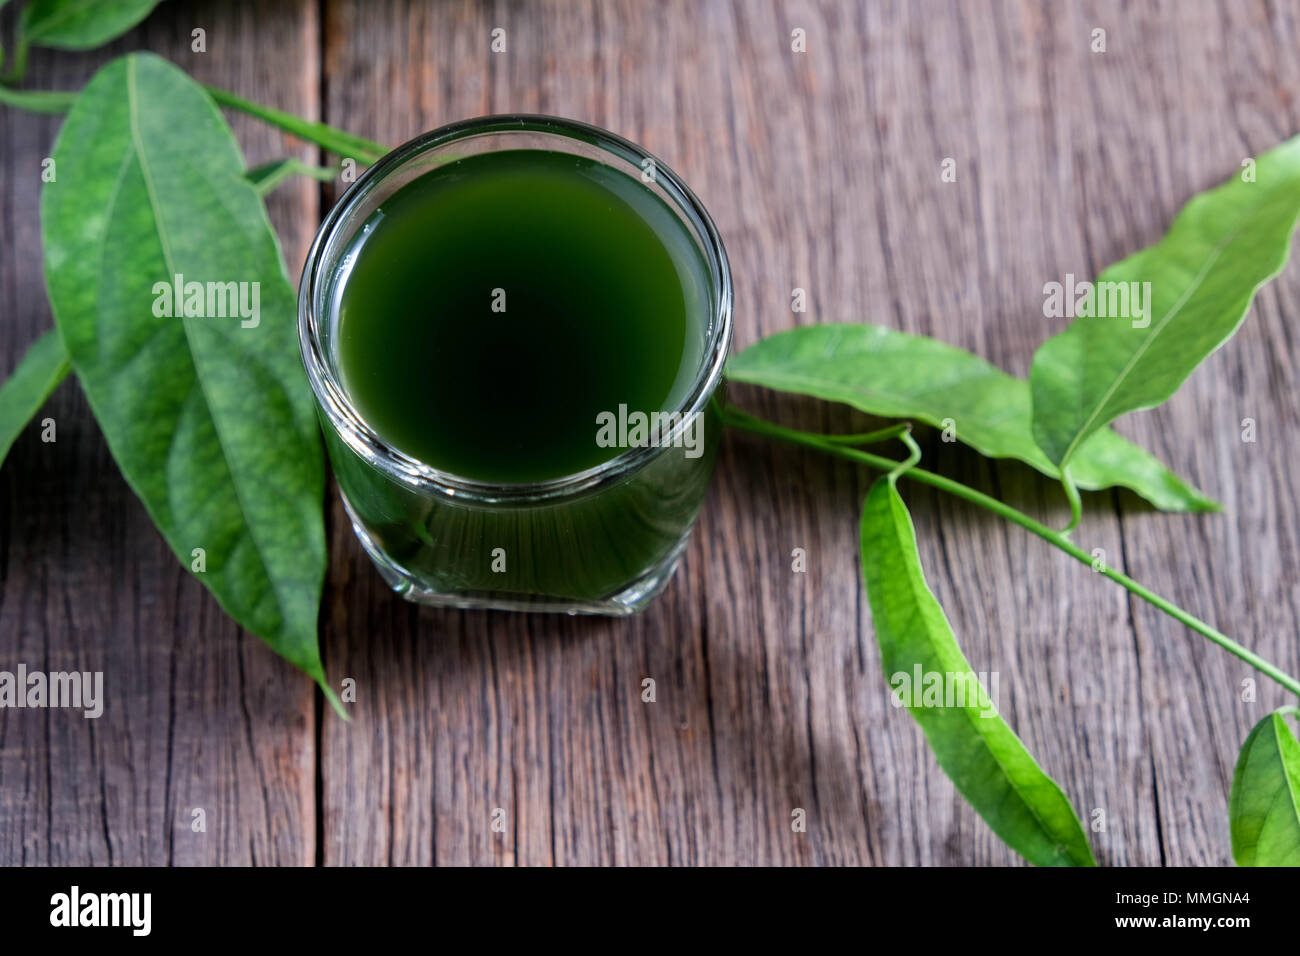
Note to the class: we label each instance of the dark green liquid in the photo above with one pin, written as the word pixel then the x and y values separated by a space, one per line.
pixel 605 304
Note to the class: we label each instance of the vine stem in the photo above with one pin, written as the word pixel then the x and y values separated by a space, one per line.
pixel 746 422
pixel 364 151
pixel 331 138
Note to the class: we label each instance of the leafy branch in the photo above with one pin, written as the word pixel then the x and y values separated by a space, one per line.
pixel 1197 283
pixel 1059 539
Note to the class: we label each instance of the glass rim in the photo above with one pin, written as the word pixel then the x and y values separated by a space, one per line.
pixel 357 433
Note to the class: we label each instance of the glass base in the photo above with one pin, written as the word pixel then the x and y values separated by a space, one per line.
pixel 631 599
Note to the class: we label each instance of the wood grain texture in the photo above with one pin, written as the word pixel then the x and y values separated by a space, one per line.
pixel 198 713
pixel 822 170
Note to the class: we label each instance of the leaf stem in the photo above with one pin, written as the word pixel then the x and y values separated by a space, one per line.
pixel 19 67
pixel 1072 495
pixel 908 463
pixel 267 177
pixel 870 438
pixel 50 102
pixel 335 140
pixel 345 144
pixel 742 420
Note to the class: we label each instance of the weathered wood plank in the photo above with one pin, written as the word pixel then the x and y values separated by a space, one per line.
pixel 822 170
pixel 197 714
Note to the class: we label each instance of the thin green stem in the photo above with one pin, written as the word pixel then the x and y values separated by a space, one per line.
pixel 364 151
pixel 1072 495
pixel 335 140
pixel 908 463
pixel 268 176
pixel 869 438
pixel 50 102
pixel 746 422
pixel 19 67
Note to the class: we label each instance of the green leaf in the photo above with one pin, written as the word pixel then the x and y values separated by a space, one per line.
pixel 266 177
pixel 80 24
pixel 1203 274
pixel 1264 806
pixel 43 367
pixel 896 375
pixel 982 755
pixel 210 419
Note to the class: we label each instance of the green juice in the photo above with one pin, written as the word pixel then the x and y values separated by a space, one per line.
pixel 492 315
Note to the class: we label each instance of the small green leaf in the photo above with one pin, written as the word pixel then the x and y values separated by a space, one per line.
pixel 43 367
pixel 1264 806
pixel 1203 274
pixel 982 755
pixel 896 375
pixel 210 418
pixel 80 24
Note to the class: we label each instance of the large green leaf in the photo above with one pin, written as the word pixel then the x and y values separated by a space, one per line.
pixel 210 419
pixel 1203 274
pixel 43 367
pixel 896 375
pixel 1264 807
pixel 80 24
pixel 982 755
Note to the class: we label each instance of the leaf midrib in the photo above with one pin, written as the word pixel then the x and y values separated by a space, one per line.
pixel 1155 333
pixel 921 394
pixel 155 206
pixel 1280 728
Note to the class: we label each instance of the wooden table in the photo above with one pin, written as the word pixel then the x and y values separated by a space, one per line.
pixel 822 170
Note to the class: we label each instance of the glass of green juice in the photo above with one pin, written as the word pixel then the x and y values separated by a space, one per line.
pixel 515 327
